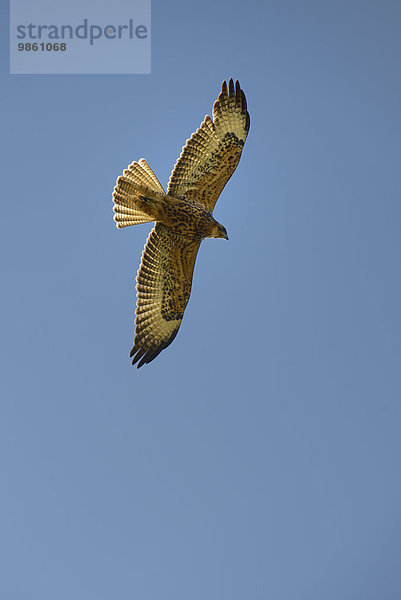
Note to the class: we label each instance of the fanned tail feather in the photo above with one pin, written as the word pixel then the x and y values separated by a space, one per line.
pixel 137 180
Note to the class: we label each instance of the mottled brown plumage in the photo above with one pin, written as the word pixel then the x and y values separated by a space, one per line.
pixel 183 218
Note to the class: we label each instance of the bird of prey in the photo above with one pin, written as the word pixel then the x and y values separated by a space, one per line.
pixel 183 218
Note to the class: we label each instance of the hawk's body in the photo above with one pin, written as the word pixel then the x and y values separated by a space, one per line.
pixel 183 218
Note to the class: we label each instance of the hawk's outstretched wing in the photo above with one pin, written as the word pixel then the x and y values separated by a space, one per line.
pixel 211 155
pixel 164 285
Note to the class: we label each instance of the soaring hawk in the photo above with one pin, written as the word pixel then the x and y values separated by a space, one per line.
pixel 183 216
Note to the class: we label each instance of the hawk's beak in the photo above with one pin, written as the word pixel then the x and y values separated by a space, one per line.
pixel 226 237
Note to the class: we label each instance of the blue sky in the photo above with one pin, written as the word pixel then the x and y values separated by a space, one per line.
pixel 259 456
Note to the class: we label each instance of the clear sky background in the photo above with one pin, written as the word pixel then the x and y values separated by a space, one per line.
pixel 259 456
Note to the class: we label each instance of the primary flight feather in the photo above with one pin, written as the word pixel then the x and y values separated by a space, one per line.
pixel 183 216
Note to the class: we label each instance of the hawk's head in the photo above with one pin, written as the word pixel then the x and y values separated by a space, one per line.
pixel 219 231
